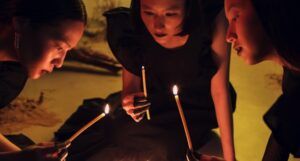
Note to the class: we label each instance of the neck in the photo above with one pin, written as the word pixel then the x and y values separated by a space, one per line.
pixel 7 49
pixel 275 57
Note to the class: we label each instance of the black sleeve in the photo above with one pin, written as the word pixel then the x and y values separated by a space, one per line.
pixel 123 40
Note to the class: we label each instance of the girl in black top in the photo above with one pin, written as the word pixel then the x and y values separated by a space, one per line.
pixel 179 42
pixel 269 30
pixel 35 36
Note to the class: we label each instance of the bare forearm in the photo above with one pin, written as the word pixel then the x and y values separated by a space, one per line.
pixel 131 83
pixel 7 146
pixel 224 118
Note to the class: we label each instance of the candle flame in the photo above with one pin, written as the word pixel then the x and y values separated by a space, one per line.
pixel 175 90
pixel 106 109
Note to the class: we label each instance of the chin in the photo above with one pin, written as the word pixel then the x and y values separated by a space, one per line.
pixel 34 76
pixel 251 61
pixel 160 41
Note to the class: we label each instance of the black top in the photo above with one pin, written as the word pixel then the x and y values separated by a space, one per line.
pixel 13 77
pixel 283 117
pixel 191 66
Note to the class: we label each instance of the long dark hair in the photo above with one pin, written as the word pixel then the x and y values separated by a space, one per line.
pixel 281 22
pixel 41 12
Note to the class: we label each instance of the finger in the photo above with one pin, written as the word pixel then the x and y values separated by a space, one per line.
pixel 138 118
pixel 139 111
pixel 214 158
pixel 63 145
pixel 63 155
pixel 140 99
pixel 139 105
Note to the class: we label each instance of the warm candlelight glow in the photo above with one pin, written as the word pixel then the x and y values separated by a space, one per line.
pixel 86 126
pixel 106 109
pixel 175 90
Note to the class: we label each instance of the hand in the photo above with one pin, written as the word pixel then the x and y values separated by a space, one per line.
pixel 210 158
pixel 136 105
pixel 47 152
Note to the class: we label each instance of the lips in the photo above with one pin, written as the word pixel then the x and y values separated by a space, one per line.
pixel 160 35
pixel 238 49
pixel 45 71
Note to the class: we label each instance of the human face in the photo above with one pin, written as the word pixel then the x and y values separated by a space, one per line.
pixel 44 49
pixel 246 33
pixel 163 18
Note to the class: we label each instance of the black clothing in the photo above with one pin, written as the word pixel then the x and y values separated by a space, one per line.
pixel 275 152
pixel 162 138
pixel 13 77
pixel 283 117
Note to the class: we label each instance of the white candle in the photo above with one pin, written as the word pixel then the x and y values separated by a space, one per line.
pixel 183 120
pixel 74 136
pixel 145 89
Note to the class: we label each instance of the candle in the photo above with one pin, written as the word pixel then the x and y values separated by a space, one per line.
pixel 186 130
pixel 74 136
pixel 145 89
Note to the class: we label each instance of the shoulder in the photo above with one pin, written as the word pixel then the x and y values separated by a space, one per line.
pixel 123 40
pixel 13 77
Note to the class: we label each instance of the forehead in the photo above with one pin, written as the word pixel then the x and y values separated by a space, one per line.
pixel 229 4
pixel 162 4
pixel 69 31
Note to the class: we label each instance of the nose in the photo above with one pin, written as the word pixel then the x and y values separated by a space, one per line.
pixel 231 35
pixel 159 22
pixel 58 62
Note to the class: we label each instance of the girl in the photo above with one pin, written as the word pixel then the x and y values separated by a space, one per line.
pixel 34 39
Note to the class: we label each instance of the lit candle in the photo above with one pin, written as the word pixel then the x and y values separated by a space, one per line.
pixel 74 136
pixel 186 130
pixel 145 89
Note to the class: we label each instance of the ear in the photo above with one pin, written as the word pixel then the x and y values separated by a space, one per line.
pixel 20 24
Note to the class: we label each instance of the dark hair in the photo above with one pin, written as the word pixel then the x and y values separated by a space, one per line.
pixel 50 11
pixel 192 18
pixel 281 22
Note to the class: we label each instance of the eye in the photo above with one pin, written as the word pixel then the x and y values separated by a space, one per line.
pixel 60 49
pixel 148 13
pixel 171 14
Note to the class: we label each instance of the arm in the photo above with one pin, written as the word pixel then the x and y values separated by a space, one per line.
pixel 40 152
pixel 133 99
pixel 7 146
pixel 220 87
pixel 131 83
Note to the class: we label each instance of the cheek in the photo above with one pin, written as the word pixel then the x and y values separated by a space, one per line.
pixel 148 22
pixel 174 23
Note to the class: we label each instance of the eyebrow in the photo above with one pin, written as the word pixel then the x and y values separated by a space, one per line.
pixel 63 39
